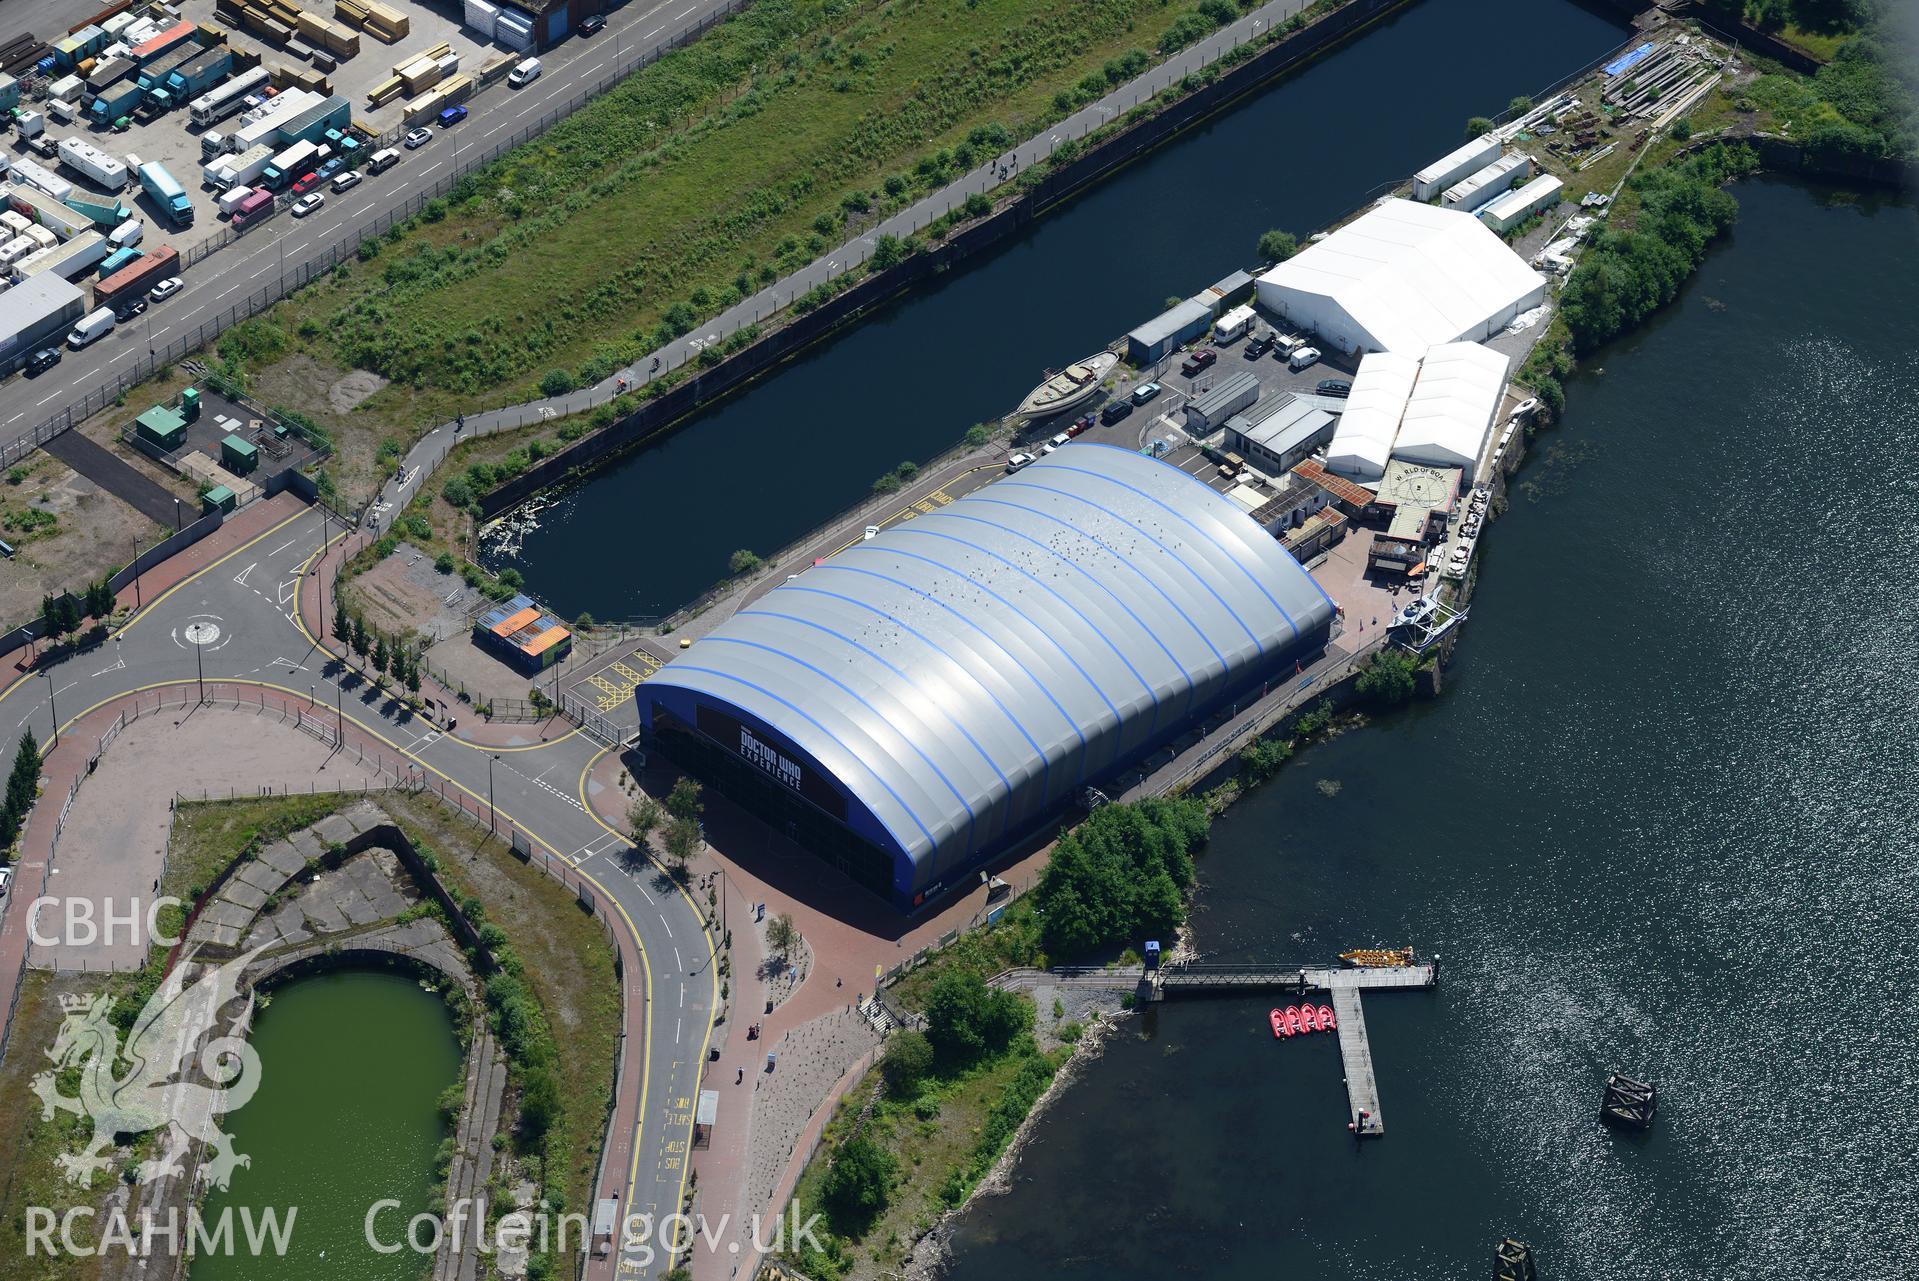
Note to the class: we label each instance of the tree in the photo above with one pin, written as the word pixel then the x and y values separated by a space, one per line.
pixel 1121 876
pixel 1478 126
pixel 1388 679
pixel 966 1019
pixel 782 935
pixel 643 818
pixel 23 787
pixel 342 625
pixel 1277 245
pixel 382 656
pixel 682 840
pixel 1519 106
pixel 743 561
pixel 362 639
pixel 858 1185
pixel 908 1060
pixel 887 252
pixel 411 677
pixel 684 802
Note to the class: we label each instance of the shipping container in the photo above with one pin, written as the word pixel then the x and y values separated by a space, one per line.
pixel 153 75
pixel 135 279
pixel 109 72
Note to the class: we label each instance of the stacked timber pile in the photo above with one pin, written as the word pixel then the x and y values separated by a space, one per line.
pixel 382 22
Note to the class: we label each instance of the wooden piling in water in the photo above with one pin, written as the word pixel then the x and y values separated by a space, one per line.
pixel 1628 1102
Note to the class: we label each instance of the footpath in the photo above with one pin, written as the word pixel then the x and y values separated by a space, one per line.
pixel 427 454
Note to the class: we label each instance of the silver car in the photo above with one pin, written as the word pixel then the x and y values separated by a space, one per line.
pixel 416 138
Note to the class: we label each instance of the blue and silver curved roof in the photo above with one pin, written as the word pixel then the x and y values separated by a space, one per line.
pixel 964 673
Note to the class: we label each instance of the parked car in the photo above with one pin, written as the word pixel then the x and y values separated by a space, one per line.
pixel 1302 357
pixel 385 159
pixel 1145 392
pixel 1083 423
pixel 130 308
pixel 331 167
pixel 305 183
pixel 1115 410
pixel 347 181
pixel 1259 346
pixel 589 26
pixel 1018 461
pixel 6 880
pixel 452 115
pixel 1055 443
pixel 44 359
pixel 872 531
pixel 417 138
pixel 525 74
pixel 1334 387
pixel 166 289
pixel 308 203
pixel 1201 359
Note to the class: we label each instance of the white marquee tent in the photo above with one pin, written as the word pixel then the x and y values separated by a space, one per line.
pixel 1368 425
pixel 1401 278
pixel 1450 412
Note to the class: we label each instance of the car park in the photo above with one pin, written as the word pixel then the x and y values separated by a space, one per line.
pixel 44 359
pixel 417 138
pixel 346 181
pixel 597 22
pixel 307 204
pixel 1199 360
pixel 1115 410
pixel 166 289
pixel 1334 387
pixel 1145 392
pixel 1017 461
pixel 452 115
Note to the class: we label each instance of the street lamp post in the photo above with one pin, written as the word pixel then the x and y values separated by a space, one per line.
pixel 490 814
pixel 339 708
pixel 200 669
pixel 52 713
pixel 135 562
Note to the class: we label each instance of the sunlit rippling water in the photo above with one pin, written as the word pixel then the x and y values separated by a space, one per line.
pixel 1663 820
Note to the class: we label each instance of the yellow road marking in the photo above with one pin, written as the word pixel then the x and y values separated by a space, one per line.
pixel 712 971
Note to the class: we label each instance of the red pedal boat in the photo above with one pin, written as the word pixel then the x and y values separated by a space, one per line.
pixel 1294 1024
pixel 1279 1024
pixel 1324 1019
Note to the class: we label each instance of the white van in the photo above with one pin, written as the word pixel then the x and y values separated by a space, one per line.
pixel 1302 357
pixel 525 74
pixel 127 234
pixel 232 198
pixel 381 161
pixel 91 326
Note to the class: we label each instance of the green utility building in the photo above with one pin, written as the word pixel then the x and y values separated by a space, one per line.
pixel 237 456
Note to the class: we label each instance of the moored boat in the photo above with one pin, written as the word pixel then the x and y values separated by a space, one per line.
pixel 1290 1016
pixel 1070 387
pixel 1278 1021
pixel 1324 1019
pixel 1377 957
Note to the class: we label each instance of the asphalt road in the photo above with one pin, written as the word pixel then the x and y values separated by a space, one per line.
pixel 248 632
pixel 279 247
